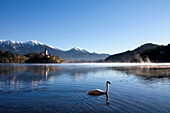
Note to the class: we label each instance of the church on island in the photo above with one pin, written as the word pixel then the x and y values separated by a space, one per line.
pixel 45 53
pixel 44 57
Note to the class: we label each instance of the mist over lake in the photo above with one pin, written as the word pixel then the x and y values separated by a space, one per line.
pixel 64 87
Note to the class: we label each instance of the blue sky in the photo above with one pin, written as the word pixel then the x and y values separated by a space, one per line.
pixel 104 26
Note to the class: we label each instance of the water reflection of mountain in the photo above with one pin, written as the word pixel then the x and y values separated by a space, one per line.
pixel 145 71
pixel 35 73
pixel 28 73
pixel 8 69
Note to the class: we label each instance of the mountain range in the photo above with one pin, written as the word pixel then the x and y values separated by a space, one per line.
pixel 33 46
pixel 129 56
pixel 158 54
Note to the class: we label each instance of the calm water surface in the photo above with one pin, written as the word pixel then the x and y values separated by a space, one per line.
pixel 63 88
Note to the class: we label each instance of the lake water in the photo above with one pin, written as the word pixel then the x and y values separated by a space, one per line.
pixel 63 88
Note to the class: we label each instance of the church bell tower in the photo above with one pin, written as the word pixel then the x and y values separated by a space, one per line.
pixel 45 51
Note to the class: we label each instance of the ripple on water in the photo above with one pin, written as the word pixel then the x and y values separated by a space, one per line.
pixel 64 89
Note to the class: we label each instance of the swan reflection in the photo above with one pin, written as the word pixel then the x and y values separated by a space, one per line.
pixel 107 99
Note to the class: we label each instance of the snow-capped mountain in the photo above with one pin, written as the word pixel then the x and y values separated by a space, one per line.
pixel 77 49
pixel 31 42
pixel 34 46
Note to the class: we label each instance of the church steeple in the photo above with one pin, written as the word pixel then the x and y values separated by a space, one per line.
pixel 45 51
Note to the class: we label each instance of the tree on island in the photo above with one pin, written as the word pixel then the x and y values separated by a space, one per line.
pixel 8 57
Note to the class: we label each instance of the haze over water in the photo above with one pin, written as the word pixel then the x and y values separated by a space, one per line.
pixel 64 87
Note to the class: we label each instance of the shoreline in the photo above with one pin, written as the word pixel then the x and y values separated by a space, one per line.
pixel 92 64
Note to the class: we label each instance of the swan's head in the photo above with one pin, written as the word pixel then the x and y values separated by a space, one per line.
pixel 108 82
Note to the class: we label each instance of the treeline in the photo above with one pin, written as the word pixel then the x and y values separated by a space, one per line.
pixel 129 55
pixel 8 57
pixel 158 54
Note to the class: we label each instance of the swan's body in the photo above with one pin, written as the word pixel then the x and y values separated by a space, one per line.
pixel 96 92
pixel 99 91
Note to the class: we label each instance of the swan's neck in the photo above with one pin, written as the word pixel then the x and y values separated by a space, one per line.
pixel 106 88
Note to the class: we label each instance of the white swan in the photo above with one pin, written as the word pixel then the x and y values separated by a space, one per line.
pixel 99 91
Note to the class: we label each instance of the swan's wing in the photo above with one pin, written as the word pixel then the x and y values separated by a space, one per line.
pixel 96 92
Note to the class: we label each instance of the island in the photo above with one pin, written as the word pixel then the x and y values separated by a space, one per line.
pixel 43 57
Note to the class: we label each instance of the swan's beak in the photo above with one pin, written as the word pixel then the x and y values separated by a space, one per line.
pixel 108 82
